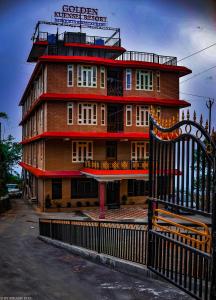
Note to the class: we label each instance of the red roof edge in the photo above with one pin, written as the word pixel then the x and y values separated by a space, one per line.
pixel 115 48
pixel 102 98
pixel 112 62
pixel 41 43
pixel 50 174
pixel 89 135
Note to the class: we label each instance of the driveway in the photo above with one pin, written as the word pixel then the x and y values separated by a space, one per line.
pixel 33 269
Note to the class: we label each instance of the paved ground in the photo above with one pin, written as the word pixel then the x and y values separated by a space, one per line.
pixel 32 268
pixel 137 213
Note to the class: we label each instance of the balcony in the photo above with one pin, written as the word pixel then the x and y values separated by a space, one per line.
pixel 117 164
pixel 148 57
pixel 77 37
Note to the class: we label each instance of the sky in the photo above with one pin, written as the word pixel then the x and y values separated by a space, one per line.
pixel 167 27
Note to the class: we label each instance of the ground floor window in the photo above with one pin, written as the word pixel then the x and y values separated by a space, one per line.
pixel 84 188
pixel 57 188
pixel 138 187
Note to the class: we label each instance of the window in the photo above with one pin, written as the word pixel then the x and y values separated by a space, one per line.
pixel 128 79
pixel 147 150
pixel 70 75
pixel 103 108
pixel 128 115
pixel 87 114
pixel 102 77
pixel 57 188
pixel 138 187
pixel 139 150
pixel 70 113
pixel 87 76
pixel 84 188
pixel 158 81
pixel 81 151
pixel 142 115
pixel 144 80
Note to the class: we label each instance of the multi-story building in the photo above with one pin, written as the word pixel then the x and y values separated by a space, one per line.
pixel 85 118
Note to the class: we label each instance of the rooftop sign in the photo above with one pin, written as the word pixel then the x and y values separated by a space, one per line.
pixel 79 16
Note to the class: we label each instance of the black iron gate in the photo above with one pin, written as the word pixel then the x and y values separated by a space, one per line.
pixel 183 195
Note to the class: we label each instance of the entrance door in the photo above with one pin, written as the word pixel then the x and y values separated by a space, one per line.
pixel 113 194
pixel 111 151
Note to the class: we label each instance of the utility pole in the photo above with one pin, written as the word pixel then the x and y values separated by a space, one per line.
pixel 209 104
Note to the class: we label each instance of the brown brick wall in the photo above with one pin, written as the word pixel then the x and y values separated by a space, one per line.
pixel 169 86
pixel 57 119
pixel 57 81
pixel 66 195
pixel 59 154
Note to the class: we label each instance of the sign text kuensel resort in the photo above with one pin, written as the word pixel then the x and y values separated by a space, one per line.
pixel 79 16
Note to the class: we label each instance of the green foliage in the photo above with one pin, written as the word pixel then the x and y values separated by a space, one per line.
pixel 3 115
pixel 10 155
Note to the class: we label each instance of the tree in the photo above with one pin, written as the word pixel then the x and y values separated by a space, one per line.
pixel 10 154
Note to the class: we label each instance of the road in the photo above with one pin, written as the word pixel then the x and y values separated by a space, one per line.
pixel 31 268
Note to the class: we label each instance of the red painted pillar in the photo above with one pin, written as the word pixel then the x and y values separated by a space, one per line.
pixel 102 187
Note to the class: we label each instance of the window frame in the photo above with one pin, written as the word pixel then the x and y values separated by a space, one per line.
pixel 142 116
pixel 103 115
pixel 135 188
pixel 89 192
pixel 158 81
pixel 75 151
pixel 84 113
pixel 134 150
pixel 83 72
pixel 58 181
pixel 144 80
pixel 70 107
pixel 129 109
pixel 128 83
pixel 70 69
pixel 102 76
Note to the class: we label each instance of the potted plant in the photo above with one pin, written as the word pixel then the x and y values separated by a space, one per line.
pixel 48 203
pixel 68 204
pixel 124 199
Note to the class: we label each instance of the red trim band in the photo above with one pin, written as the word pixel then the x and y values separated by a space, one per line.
pixel 89 135
pixel 50 174
pixel 105 99
pixel 112 62
pixel 115 48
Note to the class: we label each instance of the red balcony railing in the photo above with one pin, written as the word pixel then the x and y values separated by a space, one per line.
pixel 117 164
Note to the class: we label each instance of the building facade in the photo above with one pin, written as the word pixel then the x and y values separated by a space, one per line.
pixel 85 118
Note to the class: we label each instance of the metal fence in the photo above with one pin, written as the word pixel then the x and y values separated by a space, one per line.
pixel 127 241
pixel 181 264
pixel 148 57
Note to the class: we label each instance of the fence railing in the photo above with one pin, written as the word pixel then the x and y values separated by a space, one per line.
pixel 76 37
pixel 181 264
pixel 117 164
pixel 148 57
pixel 126 240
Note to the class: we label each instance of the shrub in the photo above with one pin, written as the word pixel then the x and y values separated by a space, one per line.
pixel 79 204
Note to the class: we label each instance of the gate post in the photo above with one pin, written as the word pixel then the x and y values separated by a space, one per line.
pixel 213 271
pixel 150 201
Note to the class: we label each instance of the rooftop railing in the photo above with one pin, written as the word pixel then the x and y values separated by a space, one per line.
pixel 77 37
pixel 148 57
